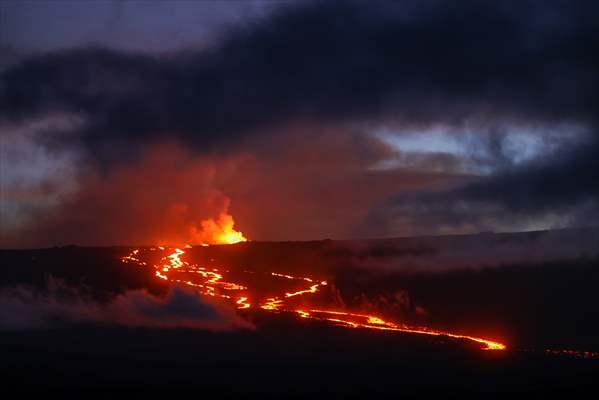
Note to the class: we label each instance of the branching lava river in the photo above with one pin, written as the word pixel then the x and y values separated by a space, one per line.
pixel 217 282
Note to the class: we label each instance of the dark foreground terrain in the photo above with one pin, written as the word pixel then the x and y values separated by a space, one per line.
pixel 277 360
pixel 534 305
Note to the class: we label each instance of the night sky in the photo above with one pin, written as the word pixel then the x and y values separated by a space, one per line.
pixel 130 122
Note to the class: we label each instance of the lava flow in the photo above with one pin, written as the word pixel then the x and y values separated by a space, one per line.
pixel 352 320
pixel 211 282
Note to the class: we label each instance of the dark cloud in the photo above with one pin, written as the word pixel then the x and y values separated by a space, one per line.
pixel 413 64
pixel 566 178
pixel 560 188
pixel 425 62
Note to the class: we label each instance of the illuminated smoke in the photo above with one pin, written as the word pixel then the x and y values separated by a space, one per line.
pixel 217 231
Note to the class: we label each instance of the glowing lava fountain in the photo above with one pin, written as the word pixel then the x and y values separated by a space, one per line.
pixel 217 231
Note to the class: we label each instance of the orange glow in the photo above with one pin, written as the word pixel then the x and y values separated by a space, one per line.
pixel 312 289
pixel 290 277
pixel 217 231
pixel 242 303
pixel 175 260
pixel 272 304
pixel 210 282
pixel 161 276
pixel 371 322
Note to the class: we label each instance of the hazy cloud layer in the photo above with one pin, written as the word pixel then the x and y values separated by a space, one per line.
pixel 22 308
pixel 438 254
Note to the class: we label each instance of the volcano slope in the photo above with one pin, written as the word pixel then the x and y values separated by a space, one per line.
pixel 535 292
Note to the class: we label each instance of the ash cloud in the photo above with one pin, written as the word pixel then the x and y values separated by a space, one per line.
pixel 22 308
pixel 162 198
pixel 290 189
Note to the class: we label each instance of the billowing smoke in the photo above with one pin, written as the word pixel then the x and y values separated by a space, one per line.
pixel 164 197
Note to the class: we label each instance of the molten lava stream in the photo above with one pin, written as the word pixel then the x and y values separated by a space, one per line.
pixel 211 282
pixel 371 322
